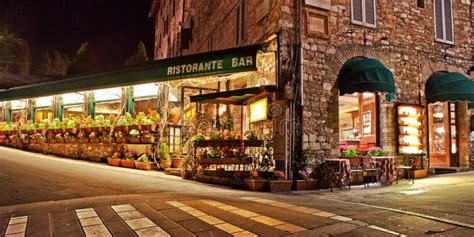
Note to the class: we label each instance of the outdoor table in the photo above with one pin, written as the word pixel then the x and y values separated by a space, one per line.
pixel 339 171
pixel 387 168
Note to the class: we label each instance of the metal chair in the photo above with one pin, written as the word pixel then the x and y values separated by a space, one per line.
pixel 370 169
pixel 408 165
pixel 356 168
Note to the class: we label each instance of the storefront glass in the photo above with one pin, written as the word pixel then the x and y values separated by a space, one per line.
pixel 18 110
pixel 145 98
pixel 43 108
pixel 108 102
pixel 443 135
pixel 73 104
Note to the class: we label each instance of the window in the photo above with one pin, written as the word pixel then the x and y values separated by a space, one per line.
pixel 43 108
pixel 443 20
pixel 108 102
pixel 145 98
pixel 18 110
pixel 363 12
pixel 420 3
pixel 240 33
pixel 73 105
pixel 209 44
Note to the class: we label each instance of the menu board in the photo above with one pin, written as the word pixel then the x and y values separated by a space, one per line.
pixel 410 129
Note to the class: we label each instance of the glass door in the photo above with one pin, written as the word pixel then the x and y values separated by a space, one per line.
pixel 439 135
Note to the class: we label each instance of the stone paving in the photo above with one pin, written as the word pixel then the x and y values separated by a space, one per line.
pixel 49 196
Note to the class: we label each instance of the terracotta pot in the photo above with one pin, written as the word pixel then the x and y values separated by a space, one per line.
pixel 237 184
pixel 128 163
pixel 59 140
pixel 94 140
pixel 134 139
pixel 299 185
pixel 120 140
pixel 33 141
pixel 255 184
pixel 144 127
pixel 52 141
pixel 84 140
pixel 143 165
pixel 147 139
pixel 220 180
pixel 113 162
pixel 72 130
pixel 25 141
pixel 203 178
pixel 165 163
pixel 41 141
pixel 70 140
pixel 418 174
pixel 177 162
pixel 106 140
pixel 279 185
pixel 123 129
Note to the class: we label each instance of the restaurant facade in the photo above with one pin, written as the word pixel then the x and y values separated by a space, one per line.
pixel 280 77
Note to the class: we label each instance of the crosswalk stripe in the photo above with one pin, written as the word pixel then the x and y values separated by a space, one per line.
pixel 266 220
pixel 17 226
pixel 138 222
pixel 216 222
pixel 91 223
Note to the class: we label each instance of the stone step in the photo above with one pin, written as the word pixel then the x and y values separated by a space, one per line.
pixel 173 171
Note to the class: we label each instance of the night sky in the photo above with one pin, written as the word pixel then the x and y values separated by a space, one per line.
pixel 113 27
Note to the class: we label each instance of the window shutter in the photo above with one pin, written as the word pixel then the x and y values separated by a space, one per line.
pixel 438 8
pixel 448 20
pixel 370 12
pixel 357 10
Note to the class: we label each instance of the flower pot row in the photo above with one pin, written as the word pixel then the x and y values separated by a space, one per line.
pixel 142 140
pixel 259 184
pixel 130 164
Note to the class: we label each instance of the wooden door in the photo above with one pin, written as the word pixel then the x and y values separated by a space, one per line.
pixel 439 150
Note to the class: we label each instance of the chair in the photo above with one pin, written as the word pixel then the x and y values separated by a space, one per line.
pixel 369 167
pixel 408 165
pixel 356 168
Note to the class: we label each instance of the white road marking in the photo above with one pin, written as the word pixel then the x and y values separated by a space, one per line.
pixel 138 222
pixel 17 226
pixel 91 223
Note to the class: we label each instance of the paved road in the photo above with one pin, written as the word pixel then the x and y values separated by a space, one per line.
pixel 51 196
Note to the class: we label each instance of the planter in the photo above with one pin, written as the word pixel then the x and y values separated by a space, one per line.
pixel 144 127
pixel 52 141
pixel 165 163
pixel 72 130
pixel 255 184
pixel 41 141
pixel 33 141
pixel 237 184
pixel 128 163
pixel 418 174
pixel 59 140
pixel 113 162
pixel 177 162
pixel 203 178
pixel 107 140
pixel 279 185
pixel 120 140
pixel 147 139
pixel 299 185
pixel 134 139
pixel 143 165
pixel 84 140
pixel 220 180
pixel 123 129
pixel 70 140
pixel 94 140
pixel 25 141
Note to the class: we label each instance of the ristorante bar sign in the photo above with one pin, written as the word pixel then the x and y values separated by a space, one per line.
pixel 211 64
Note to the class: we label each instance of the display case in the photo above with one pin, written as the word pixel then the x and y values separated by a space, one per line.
pixel 410 129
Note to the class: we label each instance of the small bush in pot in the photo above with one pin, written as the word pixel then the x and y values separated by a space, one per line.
pixel 106 138
pixel 69 138
pixel 143 163
pixel 254 182
pixel 129 160
pixel 120 138
pixel 165 156
pixel 278 182
pixel 376 151
pixel 115 160
pixel 93 137
pixel 134 136
pixel 59 138
pixel 238 180
pixel 147 137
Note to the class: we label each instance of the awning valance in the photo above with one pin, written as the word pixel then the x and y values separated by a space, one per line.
pixel 445 86
pixel 471 105
pixel 361 74
pixel 235 97
pixel 205 64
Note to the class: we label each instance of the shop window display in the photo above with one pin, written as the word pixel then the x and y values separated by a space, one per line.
pixel 108 102
pixel 73 104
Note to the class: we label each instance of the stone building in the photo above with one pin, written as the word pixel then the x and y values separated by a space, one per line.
pixel 315 38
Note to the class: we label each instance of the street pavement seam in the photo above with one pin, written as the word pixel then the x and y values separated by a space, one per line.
pixel 266 220
pixel 212 220
pixel 317 212
pixel 138 222
pixel 434 218
pixel 17 226
pixel 91 223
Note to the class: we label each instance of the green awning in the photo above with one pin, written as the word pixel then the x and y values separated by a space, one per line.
pixel 204 64
pixel 235 97
pixel 445 86
pixel 471 105
pixel 361 74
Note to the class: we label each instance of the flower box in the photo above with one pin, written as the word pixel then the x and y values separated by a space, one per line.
pixel 177 162
pixel 120 140
pixel 70 140
pixel 209 161
pixel 124 129
pixel 106 140
pixel 25 141
pixel 255 184
pixel 165 163
pixel 59 140
pixel 147 139
pixel 113 162
pixel 33 141
pixel 72 130
pixel 299 185
pixel 41 141
pixel 279 185
pixel 418 174
pixel 94 140
pixel 220 180
pixel 84 140
pixel 203 178
pixel 143 165
pixel 237 184
pixel 128 163
pixel 52 141
pixel 134 139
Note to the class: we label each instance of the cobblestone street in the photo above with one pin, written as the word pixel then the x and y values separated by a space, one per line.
pixel 51 196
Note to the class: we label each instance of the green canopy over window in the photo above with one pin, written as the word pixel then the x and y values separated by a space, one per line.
pixel 445 86
pixel 471 105
pixel 361 74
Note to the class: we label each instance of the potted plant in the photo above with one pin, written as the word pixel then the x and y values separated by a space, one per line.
pixel 202 175
pixel 120 138
pixel 238 180
pixel 304 182
pixel 221 178
pixel 93 138
pixel 176 159
pixel 129 160
pixel 24 138
pixel 71 127
pixel 147 137
pixel 3 138
pixel 143 163
pixel 115 159
pixel 254 182
pixel 106 138
pixel 134 136
pixel 251 139
pixel 122 125
pixel 278 182
pixel 418 169
pixel 155 118
pixel 165 160
pixel 59 138
pixel 375 151
pixel 82 137
pixel 347 151
pixel 69 138
pixel 40 138
pixel 51 138
pixel 145 124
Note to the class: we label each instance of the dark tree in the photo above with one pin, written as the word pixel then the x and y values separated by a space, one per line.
pixel 139 57
pixel 84 61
